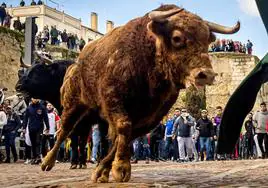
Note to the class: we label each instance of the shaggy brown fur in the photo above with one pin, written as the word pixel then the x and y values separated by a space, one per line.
pixel 130 78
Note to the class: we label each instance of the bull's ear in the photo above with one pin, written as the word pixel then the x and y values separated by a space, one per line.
pixel 212 37
pixel 157 28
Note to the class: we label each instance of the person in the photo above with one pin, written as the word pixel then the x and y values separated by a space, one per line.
pixel 18 104
pixel 3 119
pixel 10 132
pixel 81 44
pixel 17 25
pixel 2 15
pixel 33 3
pixel 206 133
pixel 64 38
pixel 95 143
pixel 22 3
pixel 260 118
pixel 7 20
pixel 249 136
pixel 53 120
pixel 249 47
pixel 182 130
pixel 35 117
pixel 4 5
pixel 54 35
pixel 156 136
pixel 40 2
pixel 168 137
pixel 216 125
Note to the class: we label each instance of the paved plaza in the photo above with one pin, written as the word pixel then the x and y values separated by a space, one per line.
pixel 245 173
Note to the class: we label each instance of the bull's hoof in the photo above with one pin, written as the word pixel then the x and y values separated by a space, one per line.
pixel 48 162
pixel 101 174
pixel 121 171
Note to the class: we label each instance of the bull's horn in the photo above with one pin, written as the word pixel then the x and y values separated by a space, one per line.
pixel 223 29
pixel 22 64
pixel 160 16
pixel 43 58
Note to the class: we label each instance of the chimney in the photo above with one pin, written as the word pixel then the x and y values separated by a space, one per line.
pixel 94 21
pixel 109 26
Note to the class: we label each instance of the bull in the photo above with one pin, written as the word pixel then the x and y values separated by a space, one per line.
pixel 131 77
pixel 43 80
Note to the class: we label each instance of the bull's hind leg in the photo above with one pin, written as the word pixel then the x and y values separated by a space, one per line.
pixel 70 118
pixel 121 168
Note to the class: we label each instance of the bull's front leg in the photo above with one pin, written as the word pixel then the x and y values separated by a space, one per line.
pixel 121 168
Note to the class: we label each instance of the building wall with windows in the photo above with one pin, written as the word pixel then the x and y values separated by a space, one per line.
pixel 52 17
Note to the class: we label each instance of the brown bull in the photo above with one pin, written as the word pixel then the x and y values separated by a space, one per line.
pixel 132 76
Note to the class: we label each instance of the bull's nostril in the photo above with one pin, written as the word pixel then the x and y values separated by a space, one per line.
pixel 202 75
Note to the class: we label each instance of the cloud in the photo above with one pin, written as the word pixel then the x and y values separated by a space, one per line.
pixel 249 7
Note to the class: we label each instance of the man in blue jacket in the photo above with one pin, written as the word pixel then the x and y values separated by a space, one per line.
pixel 35 117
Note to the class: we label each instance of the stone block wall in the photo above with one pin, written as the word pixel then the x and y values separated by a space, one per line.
pixel 231 68
pixel 10 53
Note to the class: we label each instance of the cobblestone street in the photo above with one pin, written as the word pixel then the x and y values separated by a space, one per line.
pixel 244 173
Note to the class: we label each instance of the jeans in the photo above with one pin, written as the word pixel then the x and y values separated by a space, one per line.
pixel 10 144
pixel 81 142
pixel 168 143
pixel 205 146
pixel 96 143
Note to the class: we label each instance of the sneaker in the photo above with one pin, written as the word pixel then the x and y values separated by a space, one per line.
pixel 15 159
pixel 28 161
pixel 82 166
pixel 73 166
pixel 7 161
pixel 135 161
pixel 93 161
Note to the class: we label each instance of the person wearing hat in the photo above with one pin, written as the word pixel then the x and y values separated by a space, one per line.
pixel 206 133
pixel 10 132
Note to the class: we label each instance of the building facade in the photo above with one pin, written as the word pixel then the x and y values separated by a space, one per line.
pixel 47 16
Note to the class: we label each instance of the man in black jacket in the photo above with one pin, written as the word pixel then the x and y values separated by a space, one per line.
pixel 3 14
pixel 35 117
pixel 206 133
pixel 10 132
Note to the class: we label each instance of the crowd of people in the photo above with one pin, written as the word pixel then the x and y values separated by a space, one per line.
pixel 67 40
pixel 231 46
pixel 180 138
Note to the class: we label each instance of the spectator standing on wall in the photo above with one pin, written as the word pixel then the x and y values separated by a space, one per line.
pixel 2 14
pixel 82 43
pixel 249 47
pixel 4 5
pixel 7 20
pixel 33 3
pixel 22 3
pixel 54 35
pixel 64 38
pixel 40 2
pixel 10 132
pixel 17 25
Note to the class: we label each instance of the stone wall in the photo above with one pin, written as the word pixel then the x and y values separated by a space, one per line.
pixel 10 52
pixel 231 68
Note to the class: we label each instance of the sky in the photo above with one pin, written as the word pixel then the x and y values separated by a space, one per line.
pixel 226 12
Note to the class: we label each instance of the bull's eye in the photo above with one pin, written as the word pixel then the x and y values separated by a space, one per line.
pixel 178 39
